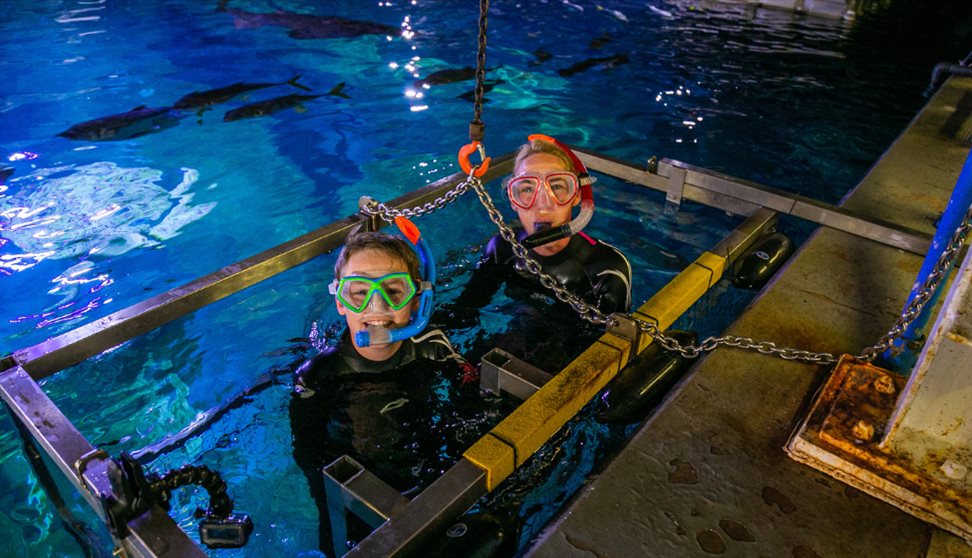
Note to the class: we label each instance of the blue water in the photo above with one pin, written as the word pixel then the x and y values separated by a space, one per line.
pixel 87 228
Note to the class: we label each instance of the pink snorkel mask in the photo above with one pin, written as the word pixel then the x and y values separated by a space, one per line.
pixel 586 203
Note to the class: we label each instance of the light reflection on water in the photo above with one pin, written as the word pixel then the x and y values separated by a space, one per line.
pixel 88 213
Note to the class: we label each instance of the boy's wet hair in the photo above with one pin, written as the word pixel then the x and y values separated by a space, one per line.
pixel 395 247
pixel 538 146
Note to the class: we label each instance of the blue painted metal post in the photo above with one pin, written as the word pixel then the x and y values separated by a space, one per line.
pixel 902 354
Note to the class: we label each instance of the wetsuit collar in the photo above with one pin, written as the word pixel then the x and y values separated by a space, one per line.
pixel 359 363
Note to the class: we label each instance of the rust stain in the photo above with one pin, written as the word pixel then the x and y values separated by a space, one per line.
pixel 710 541
pixel 774 497
pixel 736 531
pixel 857 391
pixel 684 473
pixel 862 404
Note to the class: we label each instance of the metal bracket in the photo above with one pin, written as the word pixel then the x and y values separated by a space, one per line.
pixel 502 372
pixel 371 222
pixel 351 488
pixel 674 189
pixel 625 327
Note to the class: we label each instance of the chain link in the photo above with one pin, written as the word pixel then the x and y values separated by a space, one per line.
pixel 925 292
pixel 387 213
pixel 480 62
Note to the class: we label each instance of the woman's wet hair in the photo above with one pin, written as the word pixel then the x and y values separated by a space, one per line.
pixel 395 247
pixel 539 146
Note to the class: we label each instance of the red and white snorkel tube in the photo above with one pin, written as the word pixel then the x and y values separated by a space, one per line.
pixel 586 204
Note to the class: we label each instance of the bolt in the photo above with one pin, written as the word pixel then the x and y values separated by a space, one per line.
pixel 954 470
pixel 863 431
pixel 884 384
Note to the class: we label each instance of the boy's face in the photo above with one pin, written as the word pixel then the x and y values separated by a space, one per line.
pixel 373 263
pixel 545 212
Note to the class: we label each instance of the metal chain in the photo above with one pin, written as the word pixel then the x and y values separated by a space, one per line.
pixel 925 292
pixel 908 315
pixel 480 63
pixel 376 208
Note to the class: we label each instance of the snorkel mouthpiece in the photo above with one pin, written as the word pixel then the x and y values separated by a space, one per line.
pixel 379 335
pixel 374 335
pixel 547 236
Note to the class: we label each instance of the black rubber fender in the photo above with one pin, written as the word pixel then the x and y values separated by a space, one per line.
pixel 475 535
pixel 644 382
pixel 761 261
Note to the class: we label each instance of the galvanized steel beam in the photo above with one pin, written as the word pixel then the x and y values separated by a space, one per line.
pixel 742 197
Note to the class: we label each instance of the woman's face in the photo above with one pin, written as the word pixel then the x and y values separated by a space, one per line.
pixel 546 212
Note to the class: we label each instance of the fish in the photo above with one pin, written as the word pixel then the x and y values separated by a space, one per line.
pixel 599 42
pixel 139 121
pixel 276 104
pixel 443 77
pixel 607 62
pixel 205 99
pixel 5 173
pixel 309 26
pixel 488 86
pixel 541 57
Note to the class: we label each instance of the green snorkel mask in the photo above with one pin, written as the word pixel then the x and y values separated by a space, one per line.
pixel 397 291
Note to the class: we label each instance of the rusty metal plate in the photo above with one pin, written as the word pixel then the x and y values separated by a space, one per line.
pixel 843 437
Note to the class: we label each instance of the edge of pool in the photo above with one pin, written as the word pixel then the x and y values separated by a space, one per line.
pixel 707 474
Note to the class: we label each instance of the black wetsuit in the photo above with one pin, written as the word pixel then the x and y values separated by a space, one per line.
pixel 593 270
pixel 398 417
pixel 539 328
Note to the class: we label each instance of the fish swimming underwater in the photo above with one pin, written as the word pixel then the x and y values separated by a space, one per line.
pixel 443 77
pixel 607 62
pixel 488 86
pixel 139 121
pixel 205 99
pixel 5 172
pixel 540 56
pixel 600 41
pixel 308 26
pixel 270 106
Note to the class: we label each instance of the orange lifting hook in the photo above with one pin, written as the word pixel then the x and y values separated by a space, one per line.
pixel 464 153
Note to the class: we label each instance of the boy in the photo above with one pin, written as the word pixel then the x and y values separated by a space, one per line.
pixel 387 400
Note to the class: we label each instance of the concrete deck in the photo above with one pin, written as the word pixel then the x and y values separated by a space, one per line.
pixel 708 473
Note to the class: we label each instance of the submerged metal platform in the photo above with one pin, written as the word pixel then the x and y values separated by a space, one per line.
pixel 708 474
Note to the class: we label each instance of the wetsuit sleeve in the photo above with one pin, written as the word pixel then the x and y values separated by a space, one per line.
pixel 308 419
pixel 308 415
pixel 612 283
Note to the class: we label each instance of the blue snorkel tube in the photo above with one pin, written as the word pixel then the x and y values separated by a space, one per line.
pixel 383 336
